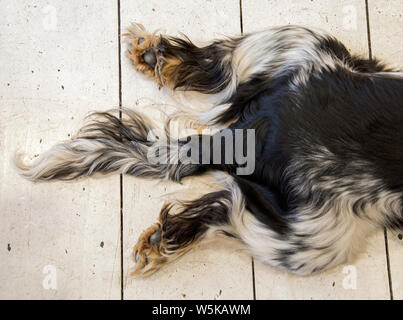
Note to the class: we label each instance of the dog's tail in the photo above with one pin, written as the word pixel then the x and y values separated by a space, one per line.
pixel 107 144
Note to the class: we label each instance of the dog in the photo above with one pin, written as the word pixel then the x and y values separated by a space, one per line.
pixel 325 166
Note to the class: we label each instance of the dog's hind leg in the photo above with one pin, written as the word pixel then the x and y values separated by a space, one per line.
pixel 179 64
pixel 183 224
pixel 236 69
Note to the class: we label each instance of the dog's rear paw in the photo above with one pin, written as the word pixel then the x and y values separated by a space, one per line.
pixel 141 49
pixel 147 251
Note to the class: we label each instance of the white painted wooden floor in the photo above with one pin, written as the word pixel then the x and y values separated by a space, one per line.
pixel 59 60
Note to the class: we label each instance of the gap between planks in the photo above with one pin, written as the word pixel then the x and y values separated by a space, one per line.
pixel 385 232
pixel 121 175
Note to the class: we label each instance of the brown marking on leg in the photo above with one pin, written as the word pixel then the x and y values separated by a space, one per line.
pixel 180 64
pixel 153 250
pixel 167 71
pixel 151 254
pixel 201 128
pixel 180 227
pixel 140 42
pixel 147 254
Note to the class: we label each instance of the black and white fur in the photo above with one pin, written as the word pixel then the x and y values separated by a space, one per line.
pixel 329 147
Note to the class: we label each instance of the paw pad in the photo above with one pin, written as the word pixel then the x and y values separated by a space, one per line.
pixel 156 238
pixel 146 253
pixel 150 58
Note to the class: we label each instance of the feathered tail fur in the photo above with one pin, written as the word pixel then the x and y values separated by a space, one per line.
pixel 107 144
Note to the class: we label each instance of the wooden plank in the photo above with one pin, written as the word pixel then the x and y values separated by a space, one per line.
pixel 209 271
pixel 346 20
pixel 58 62
pixel 386 27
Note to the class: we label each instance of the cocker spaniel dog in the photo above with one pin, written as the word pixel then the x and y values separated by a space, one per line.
pixel 306 157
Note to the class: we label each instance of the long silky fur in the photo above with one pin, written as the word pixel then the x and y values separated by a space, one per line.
pixel 328 142
pixel 108 144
